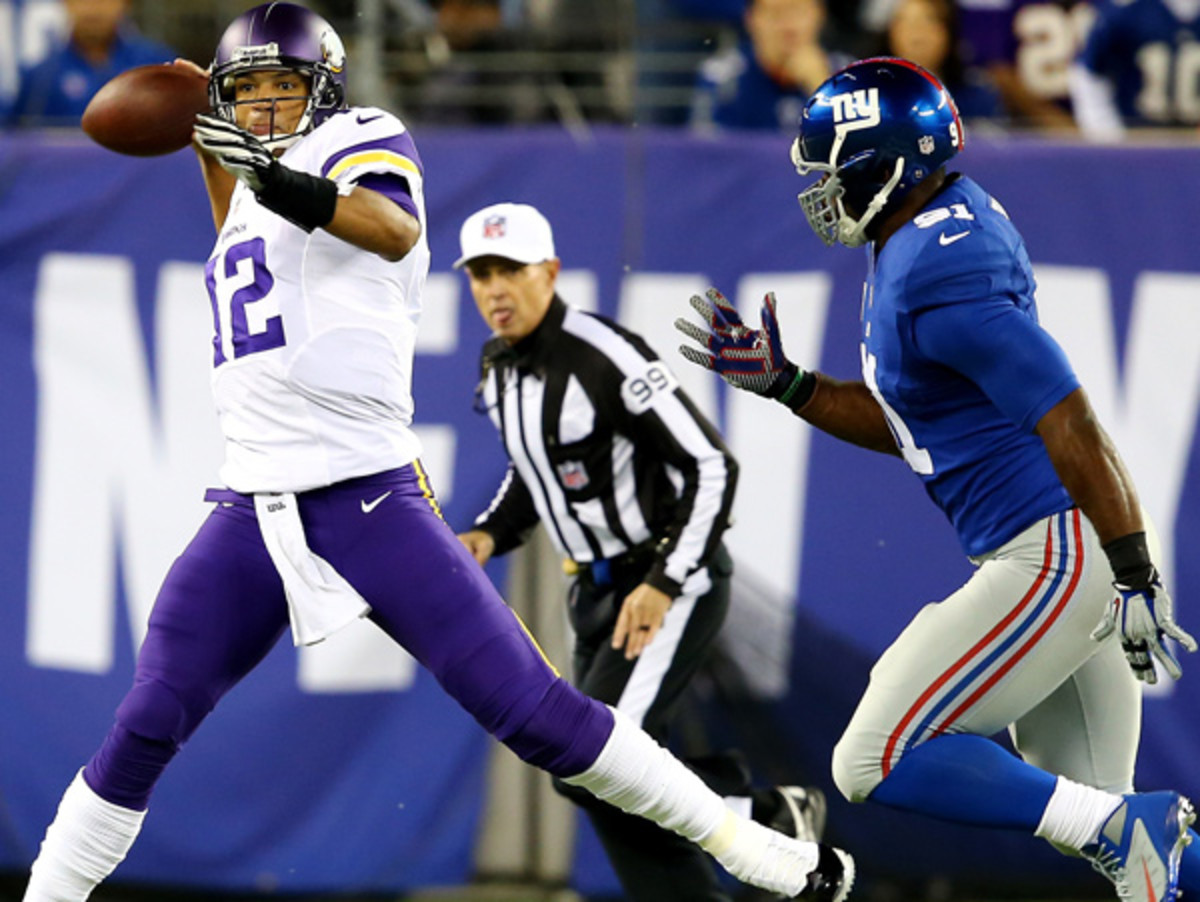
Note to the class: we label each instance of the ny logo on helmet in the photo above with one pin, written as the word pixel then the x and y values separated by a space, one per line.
pixel 855 109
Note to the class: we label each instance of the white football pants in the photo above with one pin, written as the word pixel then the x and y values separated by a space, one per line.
pixel 1010 649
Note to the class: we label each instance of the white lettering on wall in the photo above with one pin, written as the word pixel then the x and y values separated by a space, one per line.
pixel 649 305
pixel 438 333
pixel 772 447
pixel 122 456
pixel 113 468
pixel 121 468
pixel 27 31
pixel 1149 405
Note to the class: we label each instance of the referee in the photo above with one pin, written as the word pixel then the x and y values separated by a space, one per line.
pixel 635 488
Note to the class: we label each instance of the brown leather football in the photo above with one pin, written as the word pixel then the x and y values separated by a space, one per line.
pixel 147 111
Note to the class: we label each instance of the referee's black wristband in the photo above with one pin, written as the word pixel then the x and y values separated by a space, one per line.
pixel 1129 557
pixel 793 387
pixel 307 201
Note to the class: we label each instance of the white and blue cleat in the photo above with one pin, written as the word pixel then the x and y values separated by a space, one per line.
pixel 1141 844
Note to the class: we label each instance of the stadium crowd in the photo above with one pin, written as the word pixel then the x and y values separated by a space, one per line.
pixel 1096 67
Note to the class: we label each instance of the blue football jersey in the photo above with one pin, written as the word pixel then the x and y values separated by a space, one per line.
pixel 952 350
pixel 1149 56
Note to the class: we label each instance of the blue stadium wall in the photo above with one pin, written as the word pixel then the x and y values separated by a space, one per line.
pixel 346 769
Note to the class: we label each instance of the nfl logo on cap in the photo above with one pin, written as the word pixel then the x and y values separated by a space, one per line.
pixel 493 227
pixel 512 231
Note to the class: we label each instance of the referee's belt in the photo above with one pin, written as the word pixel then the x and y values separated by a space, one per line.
pixel 606 571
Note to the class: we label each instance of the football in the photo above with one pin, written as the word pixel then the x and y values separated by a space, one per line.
pixel 147 111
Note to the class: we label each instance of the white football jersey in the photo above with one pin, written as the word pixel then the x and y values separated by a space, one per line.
pixel 314 342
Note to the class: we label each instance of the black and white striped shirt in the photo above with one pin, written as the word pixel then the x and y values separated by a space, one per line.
pixel 604 448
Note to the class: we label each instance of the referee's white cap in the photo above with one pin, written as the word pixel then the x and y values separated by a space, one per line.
pixel 512 231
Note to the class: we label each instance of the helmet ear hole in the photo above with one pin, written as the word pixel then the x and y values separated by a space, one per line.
pixel 332 95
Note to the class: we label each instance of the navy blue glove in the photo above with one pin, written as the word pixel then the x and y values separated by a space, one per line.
pixel 749 359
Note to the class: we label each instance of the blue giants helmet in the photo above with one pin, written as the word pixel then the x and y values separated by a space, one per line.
pixel 874 130
pixel 281 36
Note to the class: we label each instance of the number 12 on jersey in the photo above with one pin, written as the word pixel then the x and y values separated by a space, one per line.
pixel 246 317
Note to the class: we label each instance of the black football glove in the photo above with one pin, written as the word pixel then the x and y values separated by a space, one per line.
pixel 307 201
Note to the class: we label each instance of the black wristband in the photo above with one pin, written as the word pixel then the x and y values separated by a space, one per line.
pixel 307 201
pixel 1129 557
pixel 784 381
pixel 793 387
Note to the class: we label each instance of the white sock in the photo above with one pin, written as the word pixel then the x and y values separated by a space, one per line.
pixel 637 775
pixel 1075 814
pixel 87 840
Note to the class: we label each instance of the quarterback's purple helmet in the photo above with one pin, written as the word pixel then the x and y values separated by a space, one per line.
pixel 874 130
pixel 281 36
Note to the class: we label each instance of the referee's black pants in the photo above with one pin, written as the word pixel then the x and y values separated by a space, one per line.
pixel 653 865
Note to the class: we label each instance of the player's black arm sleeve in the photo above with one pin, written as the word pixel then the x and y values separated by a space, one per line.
pixel 511 516
pixel 675 432
pixel 848 410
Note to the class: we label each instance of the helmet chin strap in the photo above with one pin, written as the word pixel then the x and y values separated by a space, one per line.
pixel 853 233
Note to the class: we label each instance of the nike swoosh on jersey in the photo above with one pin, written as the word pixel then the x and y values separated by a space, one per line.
pixel 368 506
pixel 362 121
pixel 944 239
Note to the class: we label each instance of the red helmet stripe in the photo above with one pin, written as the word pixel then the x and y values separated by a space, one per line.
pixel 932 79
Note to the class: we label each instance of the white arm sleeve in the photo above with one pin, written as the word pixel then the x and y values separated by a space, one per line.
pixel 1095 108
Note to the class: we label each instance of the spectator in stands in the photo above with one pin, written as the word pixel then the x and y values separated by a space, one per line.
pixel 463 87
pixel 28 29
pixel 926 32
pixel 1137 68
pixel 1025 48
pixel 101 42
pixel 764 82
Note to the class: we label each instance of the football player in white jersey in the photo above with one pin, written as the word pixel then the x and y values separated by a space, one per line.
pixel 327 515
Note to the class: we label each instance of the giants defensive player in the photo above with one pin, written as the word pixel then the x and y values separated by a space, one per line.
pixel 960 380
pixel 316 282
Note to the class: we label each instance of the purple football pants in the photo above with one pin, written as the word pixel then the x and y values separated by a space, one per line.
pixel 222 608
